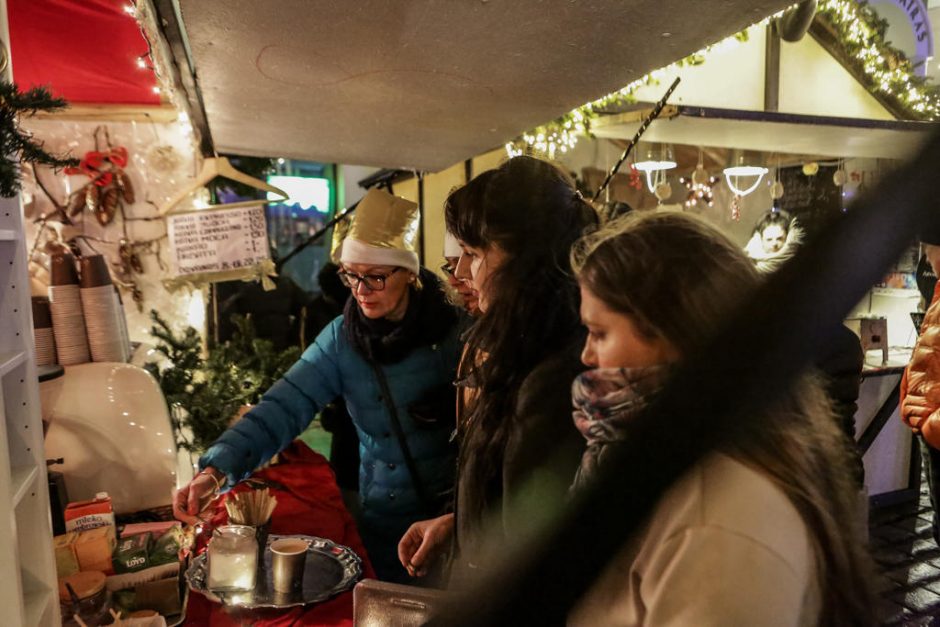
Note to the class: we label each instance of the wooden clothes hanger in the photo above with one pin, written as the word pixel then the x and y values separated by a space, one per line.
pixel 212 168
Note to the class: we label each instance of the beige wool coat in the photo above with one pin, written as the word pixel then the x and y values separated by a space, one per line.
pixel 723 547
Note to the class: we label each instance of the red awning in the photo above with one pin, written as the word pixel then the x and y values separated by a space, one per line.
pixel 86 51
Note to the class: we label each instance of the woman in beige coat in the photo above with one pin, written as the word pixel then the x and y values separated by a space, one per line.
pixel 762 531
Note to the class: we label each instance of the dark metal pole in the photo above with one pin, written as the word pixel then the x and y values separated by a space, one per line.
pixel 639 133
pixel 310 240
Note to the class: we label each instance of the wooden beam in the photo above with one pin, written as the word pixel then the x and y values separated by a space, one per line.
pixel 184 74
pixel 772 70
pixel 112 113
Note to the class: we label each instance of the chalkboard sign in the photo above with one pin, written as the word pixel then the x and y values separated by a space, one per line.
pixel 813 200
pixel 220 241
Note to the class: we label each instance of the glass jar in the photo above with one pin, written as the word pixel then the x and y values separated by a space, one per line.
pixel 233 558
pixel 91 600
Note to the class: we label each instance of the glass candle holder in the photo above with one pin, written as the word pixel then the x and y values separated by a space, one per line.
pixel 233 558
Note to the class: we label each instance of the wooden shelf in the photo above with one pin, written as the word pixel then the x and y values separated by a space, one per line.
pixel 6 235
pixel 36 604
pixel 23 478
pixel 9 361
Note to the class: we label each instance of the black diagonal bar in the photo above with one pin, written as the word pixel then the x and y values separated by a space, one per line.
pixel 313 238
pixel 718 395
pixel 636 138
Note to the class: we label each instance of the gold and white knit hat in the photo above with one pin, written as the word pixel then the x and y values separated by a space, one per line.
pixel 384 231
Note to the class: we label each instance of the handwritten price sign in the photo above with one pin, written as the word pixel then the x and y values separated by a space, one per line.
pixel 218 241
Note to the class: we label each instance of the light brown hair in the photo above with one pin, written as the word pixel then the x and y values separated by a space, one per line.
pixel 679 278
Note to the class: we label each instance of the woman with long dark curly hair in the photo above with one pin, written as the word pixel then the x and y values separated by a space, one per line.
pixel 518 449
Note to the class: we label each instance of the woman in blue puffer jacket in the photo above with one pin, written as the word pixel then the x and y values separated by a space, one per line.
pixel 392 357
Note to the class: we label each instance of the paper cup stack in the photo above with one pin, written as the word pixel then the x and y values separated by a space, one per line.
pixel 43 336
pixel 68 321
pixel 104 317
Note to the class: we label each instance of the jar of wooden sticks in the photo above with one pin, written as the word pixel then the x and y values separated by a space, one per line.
pixel 253 509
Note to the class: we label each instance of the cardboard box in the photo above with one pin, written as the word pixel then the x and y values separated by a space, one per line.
pixel 85 515
pixel 132 580
pixel 156 588
pixel 93 548
pixel 166 548
pixel 132 553
pixel 66 562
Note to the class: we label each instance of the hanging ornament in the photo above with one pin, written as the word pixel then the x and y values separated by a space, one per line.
pixel 663 191
pixel 736 207
pixel 699 186
pixel 130 260
pixel 776 188
pixel 109 186
pixel 839 177
pixel 636 180
pixel 699 192
pixel 811 168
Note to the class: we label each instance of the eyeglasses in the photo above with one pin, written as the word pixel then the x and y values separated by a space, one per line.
pixel 374 282
pixel 449 268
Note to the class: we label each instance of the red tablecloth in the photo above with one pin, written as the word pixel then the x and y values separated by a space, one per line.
pixel 310 504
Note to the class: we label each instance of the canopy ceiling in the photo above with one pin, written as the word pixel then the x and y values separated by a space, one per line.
pixel 426 83
pixel 773 132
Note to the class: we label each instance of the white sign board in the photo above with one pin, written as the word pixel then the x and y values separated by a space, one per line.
pixel 218 240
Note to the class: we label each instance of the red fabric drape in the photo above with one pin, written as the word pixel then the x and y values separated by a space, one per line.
pixel 86 51
pixel 311 505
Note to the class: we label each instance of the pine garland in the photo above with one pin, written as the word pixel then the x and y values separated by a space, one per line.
pixel 860 33
pixel 204 395
pixel 17 146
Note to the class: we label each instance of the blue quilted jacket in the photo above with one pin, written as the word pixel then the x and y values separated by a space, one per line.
pixel 331 368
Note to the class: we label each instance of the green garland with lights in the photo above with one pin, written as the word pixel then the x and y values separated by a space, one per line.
pixel 562 134
pixel 861 34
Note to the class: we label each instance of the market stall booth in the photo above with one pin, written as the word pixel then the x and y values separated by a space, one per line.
pixel 133 207
pixel 749 130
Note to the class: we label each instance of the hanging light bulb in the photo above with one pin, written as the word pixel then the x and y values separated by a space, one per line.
pixel 654 160
pixel 740 167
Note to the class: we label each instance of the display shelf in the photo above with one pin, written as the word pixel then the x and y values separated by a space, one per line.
pixel 28 585
pixel 23 478
pixel 10 360
pixel 35 605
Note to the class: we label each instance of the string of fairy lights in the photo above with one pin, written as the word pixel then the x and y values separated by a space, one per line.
pixel 861 35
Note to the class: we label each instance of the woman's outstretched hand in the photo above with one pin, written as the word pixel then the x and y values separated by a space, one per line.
pixel 193 498
pixel 423 542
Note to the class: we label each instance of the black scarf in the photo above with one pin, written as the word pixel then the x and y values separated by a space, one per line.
pixel 428 319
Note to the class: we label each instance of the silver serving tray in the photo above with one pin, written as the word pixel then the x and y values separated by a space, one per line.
pixel 330 569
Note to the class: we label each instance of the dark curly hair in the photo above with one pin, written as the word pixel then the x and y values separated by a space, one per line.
pixel 531 210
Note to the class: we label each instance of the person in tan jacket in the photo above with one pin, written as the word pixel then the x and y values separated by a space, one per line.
pixel 761 532
pixel 920 385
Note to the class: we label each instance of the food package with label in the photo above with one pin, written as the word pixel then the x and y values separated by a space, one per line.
pixel 66 563
pixel 132 553
pixel 85 515
pixel 94 547
pixel 166 548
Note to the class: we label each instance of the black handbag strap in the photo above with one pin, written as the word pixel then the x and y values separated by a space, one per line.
pixel 400 435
